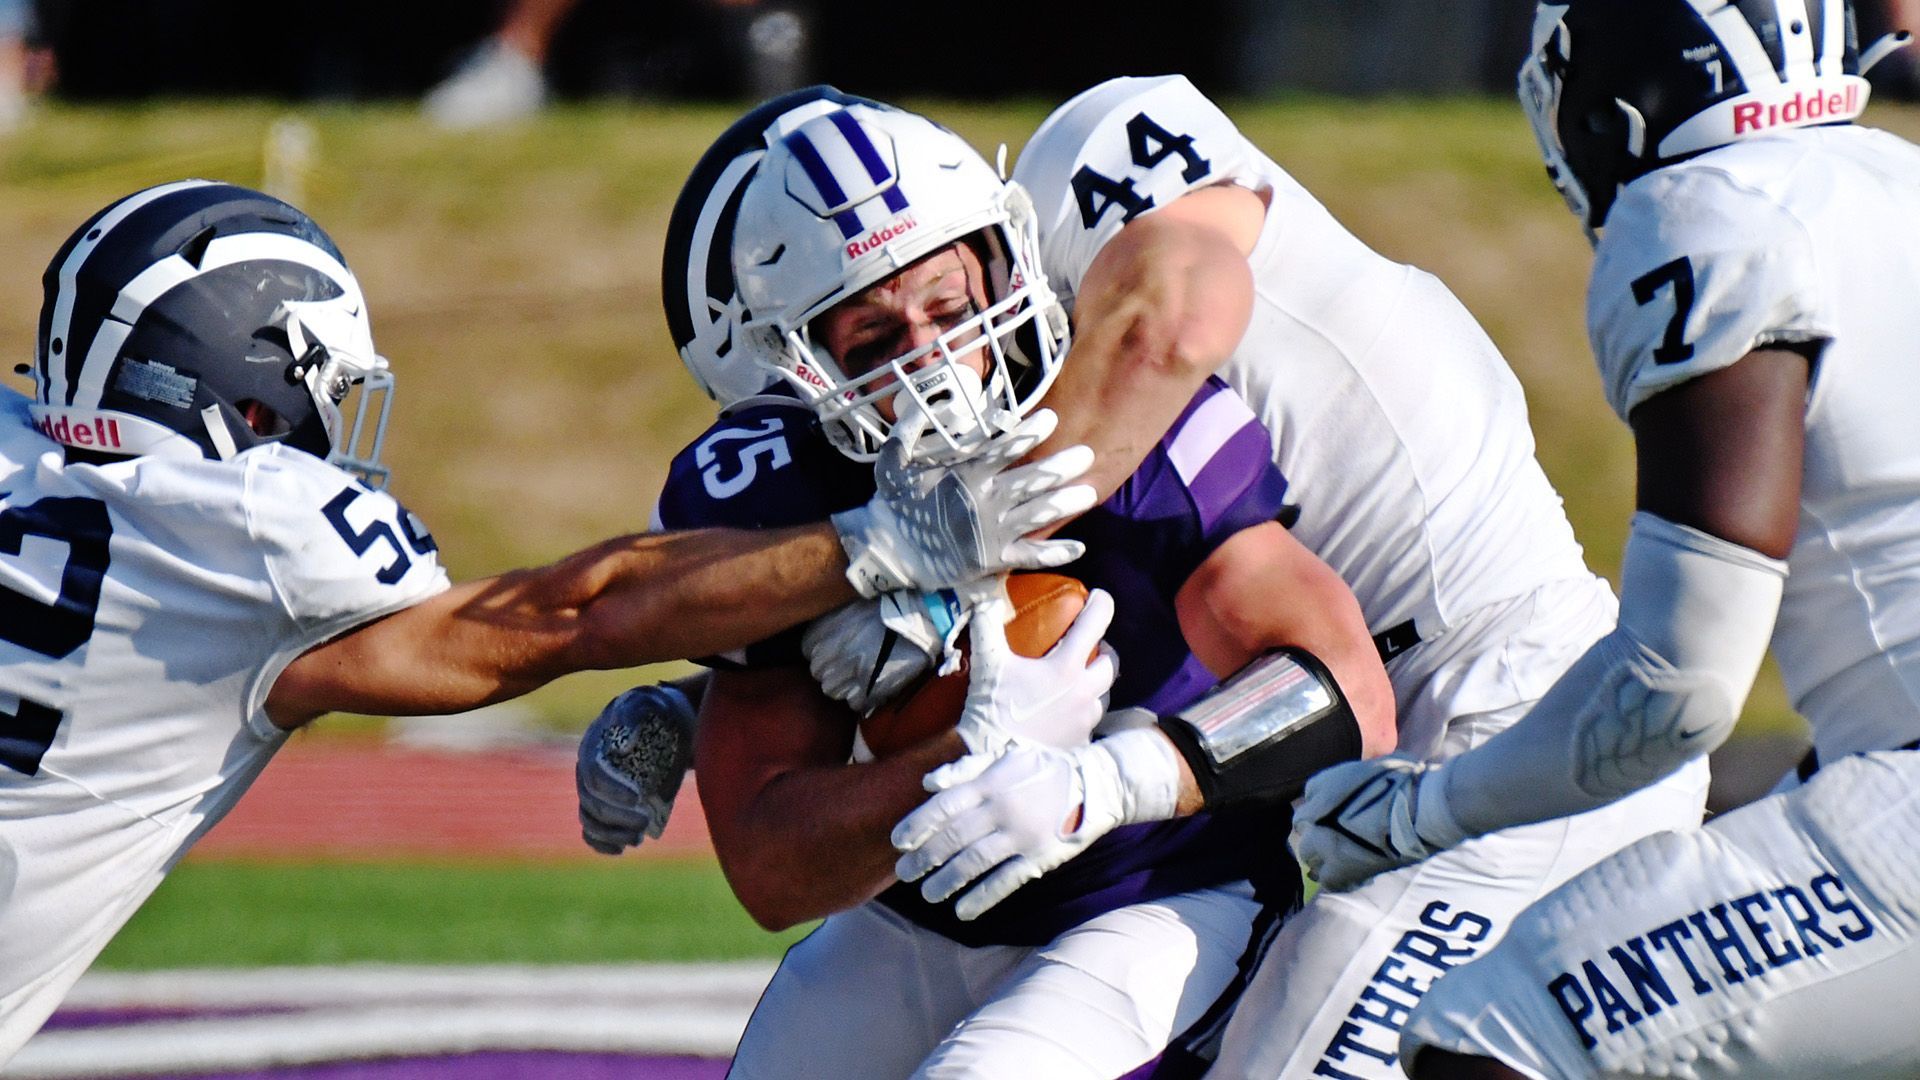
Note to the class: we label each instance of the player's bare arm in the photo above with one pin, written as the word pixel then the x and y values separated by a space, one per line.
pixel 1722 453
pixel 1720 459
pixel 1263 590
pixel 1163 305
pixel 800 832
pixel 622 603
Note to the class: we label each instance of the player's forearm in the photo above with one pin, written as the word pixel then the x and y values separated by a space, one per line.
pixel 1262 590
pixel 815 840
pixel 1667 685
pixel 665 596
pixel 1162 307
pixel 634 600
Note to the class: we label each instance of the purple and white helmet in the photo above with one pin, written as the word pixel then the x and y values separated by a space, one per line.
pixel 846 199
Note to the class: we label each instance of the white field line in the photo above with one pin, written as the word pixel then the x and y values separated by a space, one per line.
pixel 381 1011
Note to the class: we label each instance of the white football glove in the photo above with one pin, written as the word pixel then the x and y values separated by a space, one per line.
pixel 1004 821
pixel 631 761
pixel 933 526
pixel 1360 818
pixel 1054 699
pixel 867 652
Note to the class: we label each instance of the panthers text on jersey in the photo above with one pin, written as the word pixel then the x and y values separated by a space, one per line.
pixel 1398 424
pixel 1210 477
pixel 146 607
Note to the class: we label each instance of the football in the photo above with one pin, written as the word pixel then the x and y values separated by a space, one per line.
pixel 1044 606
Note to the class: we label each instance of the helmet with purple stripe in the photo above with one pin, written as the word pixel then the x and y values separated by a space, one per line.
pixel 848 198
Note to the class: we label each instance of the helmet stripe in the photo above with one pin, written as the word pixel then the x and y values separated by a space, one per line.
pixel 1796 49
pixel 710 248
pixel 1832 24
pixel 823 181
pixel 170 273
pixel 1743 47
pixel 869 156
pixel 57 380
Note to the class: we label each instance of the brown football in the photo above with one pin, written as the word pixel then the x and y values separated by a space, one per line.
pixel 1044 606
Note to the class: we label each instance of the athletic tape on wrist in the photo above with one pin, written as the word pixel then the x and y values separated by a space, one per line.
pixel 1259 735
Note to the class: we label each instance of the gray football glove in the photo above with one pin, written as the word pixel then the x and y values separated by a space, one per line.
pixel 867 652
pixel 1362 818
pixel 934 525
pixel 632 759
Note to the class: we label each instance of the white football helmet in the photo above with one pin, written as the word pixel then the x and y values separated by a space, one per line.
pixel 696 273
pixel 846 199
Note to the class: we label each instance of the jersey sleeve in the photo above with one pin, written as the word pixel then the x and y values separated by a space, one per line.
pixel 337 553
pixel 1119 150
pixel 1211 476
pixel 1223 456
pixel 761 468
pixel 1693 272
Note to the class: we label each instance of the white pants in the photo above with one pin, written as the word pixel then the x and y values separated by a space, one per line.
pixel 871 995
pixel 1339 980
pixel 1341 977
pixel 1778 941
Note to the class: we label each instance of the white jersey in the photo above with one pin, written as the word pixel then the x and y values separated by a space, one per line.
pixel 1812 236
pixel 1401 431
pixel 146 607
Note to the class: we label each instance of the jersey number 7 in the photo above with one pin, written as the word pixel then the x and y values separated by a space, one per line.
pixel 1673 348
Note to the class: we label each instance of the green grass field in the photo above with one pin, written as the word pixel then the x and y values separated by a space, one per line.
pixel 221 914
pixel 513 278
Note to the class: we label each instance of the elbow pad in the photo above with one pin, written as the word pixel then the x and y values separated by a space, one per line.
pixel 1258 736
pixel 1696 613
pixel 1667 685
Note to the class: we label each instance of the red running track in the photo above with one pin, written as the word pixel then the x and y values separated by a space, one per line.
pixel 329 796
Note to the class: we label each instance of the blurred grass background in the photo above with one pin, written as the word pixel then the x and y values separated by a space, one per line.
pixel 513 280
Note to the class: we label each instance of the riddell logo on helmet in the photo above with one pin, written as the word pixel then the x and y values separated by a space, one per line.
pixel 1801 108
pixel 811 377
pixel 899 227
pixel 103 432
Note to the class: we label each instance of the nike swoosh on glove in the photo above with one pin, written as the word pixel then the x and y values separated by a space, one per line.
pixel 1360 818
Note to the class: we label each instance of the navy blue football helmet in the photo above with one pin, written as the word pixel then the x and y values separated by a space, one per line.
pixel 1617 88
pixel 696 273
pixel 200 319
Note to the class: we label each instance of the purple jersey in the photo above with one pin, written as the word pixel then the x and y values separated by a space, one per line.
pixel 1211 476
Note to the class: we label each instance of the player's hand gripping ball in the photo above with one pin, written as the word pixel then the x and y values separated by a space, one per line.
pixel 1044 606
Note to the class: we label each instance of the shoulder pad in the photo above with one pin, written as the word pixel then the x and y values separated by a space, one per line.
pixel 761 466
pixel 1115 152
pixel 1693 271
pixel 337 551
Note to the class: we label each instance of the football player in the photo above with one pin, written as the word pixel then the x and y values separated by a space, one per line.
pixel 191 565
pixel 888 286
pixel 1403 435
pixel 1751 313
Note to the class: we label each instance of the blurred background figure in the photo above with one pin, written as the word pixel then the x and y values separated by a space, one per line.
pixel 14 15
pixel 504 78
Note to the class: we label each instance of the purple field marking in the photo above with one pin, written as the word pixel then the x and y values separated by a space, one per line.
pixel 77 1019
pixel 492 1065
